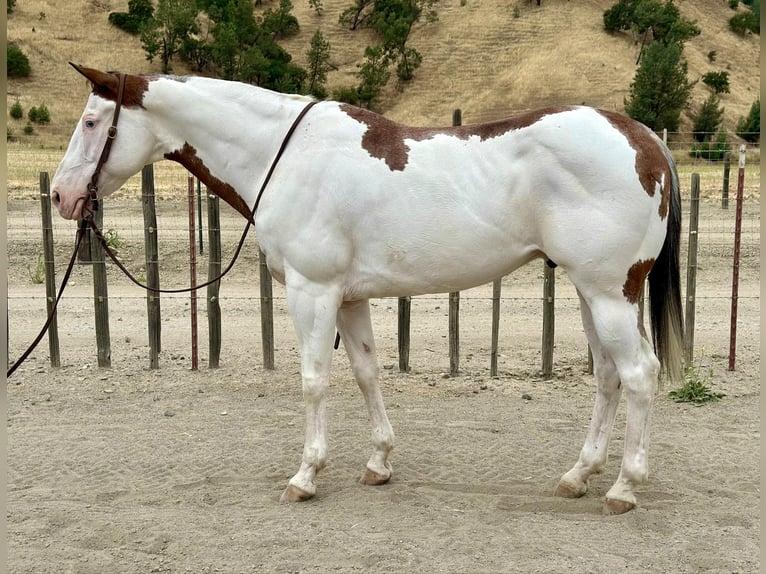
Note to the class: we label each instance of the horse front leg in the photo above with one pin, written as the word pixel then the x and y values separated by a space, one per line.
pixel 355 327
pixel 313 310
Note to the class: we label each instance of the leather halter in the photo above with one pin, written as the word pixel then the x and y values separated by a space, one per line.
pixel 111 135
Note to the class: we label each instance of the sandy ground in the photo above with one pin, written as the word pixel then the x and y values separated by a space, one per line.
pixel 131 470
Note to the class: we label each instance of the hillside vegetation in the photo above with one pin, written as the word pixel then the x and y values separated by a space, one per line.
pixel 491 58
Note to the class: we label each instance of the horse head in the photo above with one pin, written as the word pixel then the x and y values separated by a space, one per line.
pixel 74 186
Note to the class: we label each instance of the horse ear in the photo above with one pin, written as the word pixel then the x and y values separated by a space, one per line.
pixel 102 81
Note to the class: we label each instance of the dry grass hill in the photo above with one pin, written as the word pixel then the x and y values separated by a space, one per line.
pixel 490 58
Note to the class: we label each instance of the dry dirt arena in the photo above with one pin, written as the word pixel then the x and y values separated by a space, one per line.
pixel 132 470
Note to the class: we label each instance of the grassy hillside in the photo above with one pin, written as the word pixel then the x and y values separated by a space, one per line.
pixel 490 58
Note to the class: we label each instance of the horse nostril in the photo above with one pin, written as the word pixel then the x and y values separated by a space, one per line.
pixel 55 198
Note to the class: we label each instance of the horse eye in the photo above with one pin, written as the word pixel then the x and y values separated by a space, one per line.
pixel 90 124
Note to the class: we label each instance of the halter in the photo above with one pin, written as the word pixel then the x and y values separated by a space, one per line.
pixel 111 134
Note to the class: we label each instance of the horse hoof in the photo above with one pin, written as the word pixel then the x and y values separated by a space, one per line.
pixel 568 490
pixel 294 494
pixel 612 506
pixel 372 478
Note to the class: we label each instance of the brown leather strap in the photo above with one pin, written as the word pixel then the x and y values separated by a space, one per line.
pixel 110 136
pixel 80 234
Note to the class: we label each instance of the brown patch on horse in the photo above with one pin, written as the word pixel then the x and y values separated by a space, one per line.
pixel 107 84
pixel 385 139
pixel 635 280
pixel 187 157
pixel 651 164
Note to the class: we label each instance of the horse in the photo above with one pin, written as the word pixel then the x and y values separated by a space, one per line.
pixel 358 206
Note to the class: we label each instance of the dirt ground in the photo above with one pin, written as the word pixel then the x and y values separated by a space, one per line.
pixel 132 470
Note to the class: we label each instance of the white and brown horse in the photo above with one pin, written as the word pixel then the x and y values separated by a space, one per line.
pixel 361 207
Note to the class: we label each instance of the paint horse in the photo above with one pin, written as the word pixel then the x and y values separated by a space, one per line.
pixel 360 207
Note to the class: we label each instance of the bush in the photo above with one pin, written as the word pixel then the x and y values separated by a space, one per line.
pixel 18 63
pixel 708 119
pixel 712 150
pixel 39 115
pixel 29 129
pixel 347 94
pixel 16 111
pixel 745 22
pixel 139 12
pixel 10 137
pixel 11 4
pixel 749 128
pixel 718 81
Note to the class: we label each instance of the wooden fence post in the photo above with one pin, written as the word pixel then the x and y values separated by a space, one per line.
pixel 691 271
pixel 267 313
pixel 403 333
pixel 151 251
pixel 549 297
pixel 496 287
pixel 50 269
pixel 735 277
pixel 213 270
pixel 100 295
pixel 454 300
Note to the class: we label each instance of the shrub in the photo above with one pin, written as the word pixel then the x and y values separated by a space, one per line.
pixel 139 12
pixel 18 63
pixel 39 115
pixel 347 94
pixel 29 129
pixel 708 119
pixel 712 150
pixel 749 128
pixel 11 4
pixel 745 22
pixel 16 111
pixel 718 81
pixel 10 137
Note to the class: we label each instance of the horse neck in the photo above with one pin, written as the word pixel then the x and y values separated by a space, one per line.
pixel 233 128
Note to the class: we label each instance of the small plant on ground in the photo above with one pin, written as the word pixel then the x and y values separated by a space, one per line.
pixel 718 81
pixel 39 115
pixel 696 387
pixel 16 111
pixel 38 274
pixel 113 240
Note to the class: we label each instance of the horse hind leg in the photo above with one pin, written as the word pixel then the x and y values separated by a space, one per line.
pixel 615 321
pixel 355 328
pixel 593 455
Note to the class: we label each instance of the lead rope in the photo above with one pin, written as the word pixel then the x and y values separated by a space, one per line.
pixel 89 222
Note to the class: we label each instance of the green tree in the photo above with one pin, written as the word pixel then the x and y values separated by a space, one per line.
pixel 660 88
pixel 374 74
pixel 10 5
pixel 660 17
pixel 318 65
pixel 164 34
pixel 138 14
pixel 16 111
pixel 708 119
pixel 354 16
pixel 745 22
pixel 718 81
pixel 749 128
pixel 17 62
pixel 280 23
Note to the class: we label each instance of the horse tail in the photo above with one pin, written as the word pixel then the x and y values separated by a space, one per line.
pixel 665 288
